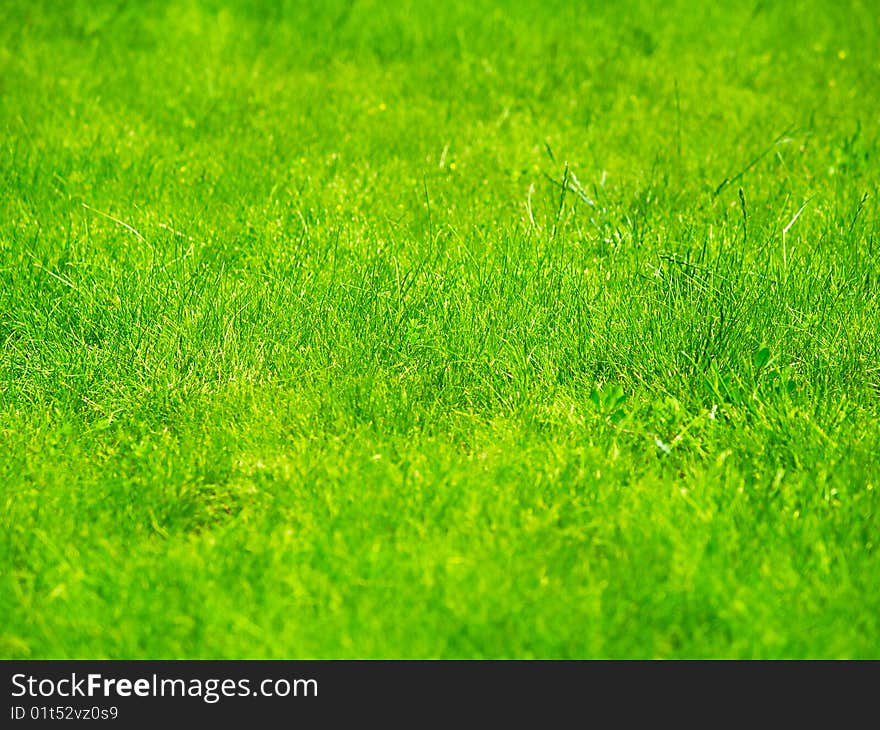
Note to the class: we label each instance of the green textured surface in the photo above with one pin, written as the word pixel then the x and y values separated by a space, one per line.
pixel 306 353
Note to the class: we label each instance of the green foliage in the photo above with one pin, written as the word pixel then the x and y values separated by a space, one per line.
pixel 463 329
pixel 609 402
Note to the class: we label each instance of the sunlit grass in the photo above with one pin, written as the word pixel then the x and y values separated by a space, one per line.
pixel 365 329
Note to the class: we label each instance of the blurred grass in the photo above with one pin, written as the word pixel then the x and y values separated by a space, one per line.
pixel 474 330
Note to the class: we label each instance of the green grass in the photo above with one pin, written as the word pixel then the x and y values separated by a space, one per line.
pixel 358 329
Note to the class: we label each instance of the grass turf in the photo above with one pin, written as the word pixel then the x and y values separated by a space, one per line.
pixel 357 329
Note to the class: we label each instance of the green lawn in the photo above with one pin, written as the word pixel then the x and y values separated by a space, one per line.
pixel 356 329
